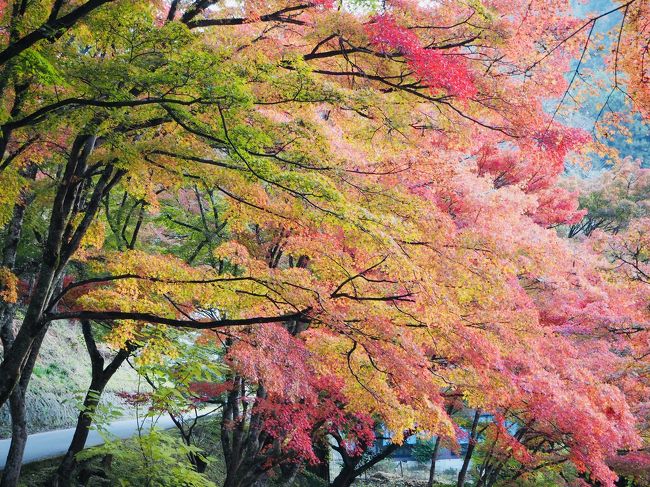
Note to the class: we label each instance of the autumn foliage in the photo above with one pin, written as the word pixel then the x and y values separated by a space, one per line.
pixel 359 208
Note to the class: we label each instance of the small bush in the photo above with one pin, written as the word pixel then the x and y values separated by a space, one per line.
pixel 155 458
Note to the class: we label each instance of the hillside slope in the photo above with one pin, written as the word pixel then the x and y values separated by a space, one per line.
pixel 61 374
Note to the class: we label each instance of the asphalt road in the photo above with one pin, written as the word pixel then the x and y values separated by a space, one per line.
pixel 51 444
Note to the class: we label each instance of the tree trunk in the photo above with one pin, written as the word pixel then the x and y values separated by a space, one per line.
pixel 63 475
pixel 61 243
pixel 351 470
pixel 15 356
pixel 11 472
pixel 289 472
pixel 345 477
pixel 321 469
pixel 18 409
pixel 246 447
pixel 100 378
pixel 238 479
pixel 200 465
pixel 470 449
pixel 434 456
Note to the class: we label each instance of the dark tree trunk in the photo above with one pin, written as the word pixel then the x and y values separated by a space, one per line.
pixel 248 451
pixel 434 457
pixel 493 474
pixel 11 472
pixel 470 449
pixel 199 464
pixel 100 378
pixel 624 482
pixel 18 410
pixel 63 475
pixel 345 477
pixel 242 440
pixel 289 472
pixel 195 460
pixel 62 241
pixel 17 406
pixel 242 479
pixel 351 468
pixel 321 469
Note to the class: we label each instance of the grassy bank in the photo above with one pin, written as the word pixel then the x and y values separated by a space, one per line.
pixel 63 371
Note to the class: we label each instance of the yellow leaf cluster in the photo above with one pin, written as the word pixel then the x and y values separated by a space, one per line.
pixel 8 286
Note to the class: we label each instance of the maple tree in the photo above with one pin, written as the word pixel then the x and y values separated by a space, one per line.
pixel 357 203
pixel 612 199
pixel 626 254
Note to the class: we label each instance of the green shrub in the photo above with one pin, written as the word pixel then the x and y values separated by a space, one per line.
pixel 155 458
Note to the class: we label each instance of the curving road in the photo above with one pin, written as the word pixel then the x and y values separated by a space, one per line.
pixel 52 444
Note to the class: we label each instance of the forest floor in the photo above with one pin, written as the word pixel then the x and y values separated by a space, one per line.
pixel 207 438
pixel 36 474
pixel 383 479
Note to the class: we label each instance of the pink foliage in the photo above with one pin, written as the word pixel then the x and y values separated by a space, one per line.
pixel 557 206
pixel 448 72
pixel 208 391
pixel 135 398
pixel 300 404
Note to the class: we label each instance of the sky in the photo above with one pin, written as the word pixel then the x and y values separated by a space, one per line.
pixel 585 113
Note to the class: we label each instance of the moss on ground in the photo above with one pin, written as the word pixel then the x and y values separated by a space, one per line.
pixel 36 473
